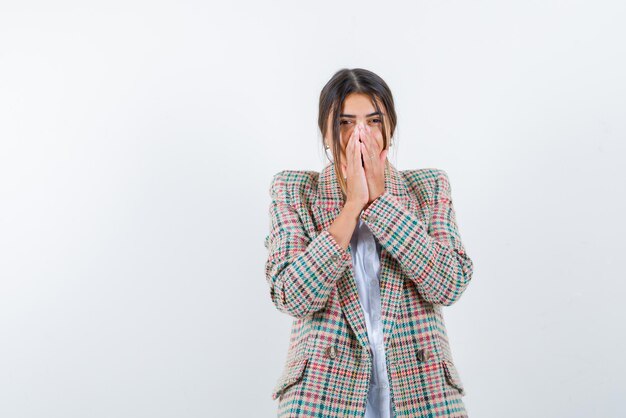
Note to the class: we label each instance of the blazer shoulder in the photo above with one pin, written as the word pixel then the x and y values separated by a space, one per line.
pixel 294 186
pixel 426 183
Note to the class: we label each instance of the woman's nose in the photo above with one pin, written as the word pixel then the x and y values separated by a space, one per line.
pixel 358 125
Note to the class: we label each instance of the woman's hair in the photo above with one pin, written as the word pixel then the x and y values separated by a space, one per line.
pixel 343 83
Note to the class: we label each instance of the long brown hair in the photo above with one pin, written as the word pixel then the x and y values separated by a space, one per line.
pixel 344 82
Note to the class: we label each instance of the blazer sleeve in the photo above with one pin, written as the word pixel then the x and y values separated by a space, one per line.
pixel 432 255
pixel 301 272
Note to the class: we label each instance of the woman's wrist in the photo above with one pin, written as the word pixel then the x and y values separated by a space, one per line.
pixel 353 209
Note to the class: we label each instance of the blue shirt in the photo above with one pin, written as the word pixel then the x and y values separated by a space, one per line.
pixel 365 251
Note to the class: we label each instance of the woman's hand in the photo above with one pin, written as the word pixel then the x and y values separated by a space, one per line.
pixel 357 193
pixel 374 159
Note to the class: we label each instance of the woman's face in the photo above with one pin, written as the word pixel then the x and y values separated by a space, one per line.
pixel 357 109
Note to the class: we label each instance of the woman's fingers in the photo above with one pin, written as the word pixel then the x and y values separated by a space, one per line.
pixel 356 150
pixel 370 143
pixel 358 164
pixel 364 147
pixel 366 150
pixel 366 158
pixel 375 155
pixel 349 147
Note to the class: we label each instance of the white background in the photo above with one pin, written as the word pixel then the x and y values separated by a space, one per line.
pixel 138 142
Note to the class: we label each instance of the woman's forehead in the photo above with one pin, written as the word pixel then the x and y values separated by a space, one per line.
pixel 358 104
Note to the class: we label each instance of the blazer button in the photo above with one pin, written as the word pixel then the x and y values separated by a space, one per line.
pixel 335 257
pixel 423 354
pixel 331 351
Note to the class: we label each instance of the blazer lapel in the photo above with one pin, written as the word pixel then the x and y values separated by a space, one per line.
pixel 326 207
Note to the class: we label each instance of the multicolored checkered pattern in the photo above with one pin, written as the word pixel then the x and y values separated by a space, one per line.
pixel 424 267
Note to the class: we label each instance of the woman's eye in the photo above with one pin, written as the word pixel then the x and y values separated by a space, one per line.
pixel 375 120
pixel 344 122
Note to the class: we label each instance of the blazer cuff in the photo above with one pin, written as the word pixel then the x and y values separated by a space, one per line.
pixel 378 206
pixel 336 252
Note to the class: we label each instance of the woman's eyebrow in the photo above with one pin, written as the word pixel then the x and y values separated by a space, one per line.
pixel 345 115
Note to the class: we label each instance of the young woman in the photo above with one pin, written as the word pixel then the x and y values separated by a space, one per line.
pixel 363 257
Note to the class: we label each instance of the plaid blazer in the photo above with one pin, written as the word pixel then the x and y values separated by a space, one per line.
pixel 424 267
